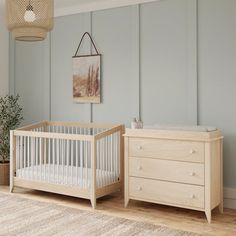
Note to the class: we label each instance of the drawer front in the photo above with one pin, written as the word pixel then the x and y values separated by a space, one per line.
pixel 166 192
pixel 183 172
pixel 167 149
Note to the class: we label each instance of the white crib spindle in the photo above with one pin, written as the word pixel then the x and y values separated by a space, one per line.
pixel 32 157
pixel 86 163
pixel 57 155
pixel 28 154
pixel 112 158
pixel 67 160
pixel 72 159
pixel 21 152
pixel 49 160
pixel 76 160
pixel 40 157
pixel 53 159
pixel 81 164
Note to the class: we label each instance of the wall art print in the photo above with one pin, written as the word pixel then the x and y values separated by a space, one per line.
pixel 87 75
pixel 86 79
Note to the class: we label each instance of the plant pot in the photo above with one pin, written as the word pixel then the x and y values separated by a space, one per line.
pixel 4 173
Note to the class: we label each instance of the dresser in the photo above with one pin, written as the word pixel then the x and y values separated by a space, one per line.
pixel 174 167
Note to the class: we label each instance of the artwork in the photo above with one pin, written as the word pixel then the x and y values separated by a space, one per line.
pixel 86 79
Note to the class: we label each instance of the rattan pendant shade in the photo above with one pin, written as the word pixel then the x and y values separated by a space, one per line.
pixel 29 20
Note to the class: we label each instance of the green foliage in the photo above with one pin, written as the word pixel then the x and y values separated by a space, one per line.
pixel 10 119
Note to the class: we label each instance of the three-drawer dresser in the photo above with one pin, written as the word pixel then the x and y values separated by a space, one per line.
pixel 175 167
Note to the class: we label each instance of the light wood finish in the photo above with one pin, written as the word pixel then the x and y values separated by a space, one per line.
pixel 93 192
pixel 166 192
pixel 221 206
pixel 12 159
pixel 122 156
pixel 93 177
pixel 52 188
pixel 53 135
pixel 170 164
pixel 167 149
pixel 175 135
pixel 113 205
pixel 126 172
pixel 184 172
pixel 81 125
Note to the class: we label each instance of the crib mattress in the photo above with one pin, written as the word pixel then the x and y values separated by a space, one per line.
pixel 67 175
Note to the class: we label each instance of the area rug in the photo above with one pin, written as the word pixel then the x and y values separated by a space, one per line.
pixel 20 216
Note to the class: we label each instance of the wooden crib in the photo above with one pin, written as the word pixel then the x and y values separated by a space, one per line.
pixel 77 159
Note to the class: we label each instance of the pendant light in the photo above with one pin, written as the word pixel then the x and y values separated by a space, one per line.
pixel 29 20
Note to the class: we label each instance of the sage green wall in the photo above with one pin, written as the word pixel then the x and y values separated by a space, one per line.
pixel 169 61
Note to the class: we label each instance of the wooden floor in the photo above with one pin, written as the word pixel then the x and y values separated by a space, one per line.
pixel 194 221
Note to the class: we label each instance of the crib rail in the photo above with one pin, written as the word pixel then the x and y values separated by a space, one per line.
pixel 81 155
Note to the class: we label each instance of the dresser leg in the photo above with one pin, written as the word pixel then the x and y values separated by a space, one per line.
pixel 93 203
pixel 126 202
pixel 221 208
pixel 11 188
pixel 208 216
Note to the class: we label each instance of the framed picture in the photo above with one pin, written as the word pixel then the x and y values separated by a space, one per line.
pixel 86 79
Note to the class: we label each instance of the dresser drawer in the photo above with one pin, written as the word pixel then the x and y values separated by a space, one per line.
pixel 183 172
pixel 166 192
pixel 167 149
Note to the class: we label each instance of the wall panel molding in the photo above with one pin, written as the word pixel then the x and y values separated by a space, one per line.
pixel 89 6
pixel 192 60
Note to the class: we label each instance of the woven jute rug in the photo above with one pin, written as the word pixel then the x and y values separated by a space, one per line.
pixel 20 216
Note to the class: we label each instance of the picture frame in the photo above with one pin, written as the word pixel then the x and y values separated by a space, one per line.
pixel 87 76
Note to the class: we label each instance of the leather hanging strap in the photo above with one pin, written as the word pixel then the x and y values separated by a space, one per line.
pixel 86 33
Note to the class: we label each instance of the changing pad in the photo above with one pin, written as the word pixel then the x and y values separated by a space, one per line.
pixel 196 128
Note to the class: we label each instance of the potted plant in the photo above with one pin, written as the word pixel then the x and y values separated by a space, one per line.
pixel 10 119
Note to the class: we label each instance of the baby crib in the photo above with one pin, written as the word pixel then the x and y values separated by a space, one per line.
pixel 77 159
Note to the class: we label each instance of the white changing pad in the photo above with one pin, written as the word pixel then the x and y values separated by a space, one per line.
pixel 196 128
pixel 56 174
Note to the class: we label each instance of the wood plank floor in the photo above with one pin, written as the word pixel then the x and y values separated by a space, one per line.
pixel 194 221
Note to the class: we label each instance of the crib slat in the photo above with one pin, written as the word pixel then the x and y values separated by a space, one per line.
pixel 81 164
pixel 67 161
pixel 49 159
pixel 21 152
pixel 86 163
pixel 32 158
pixel 17 153
pixel 28 154
pixel 63 159
pixel 72 159
pixel 53 159
pixel 76 159
pixel 57 153
pixel 112 159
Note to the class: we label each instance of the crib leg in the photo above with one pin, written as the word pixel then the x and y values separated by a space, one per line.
pixel 93 202
pixel 11 188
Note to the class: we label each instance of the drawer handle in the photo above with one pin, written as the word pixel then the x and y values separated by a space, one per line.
pixel 139 188
pixel 192 173
pixel 192 151
pixel 192 196
pixel 139 147
pixel 139 167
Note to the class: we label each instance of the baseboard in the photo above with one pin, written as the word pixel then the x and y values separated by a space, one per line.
pixel 230 198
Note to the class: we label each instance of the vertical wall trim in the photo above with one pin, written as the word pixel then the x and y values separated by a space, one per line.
pixel 136 54
pixel 91 51
pixel 14 70
pixel 192 78
pixel 140 78
pixel 197 51
pixel 50 76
